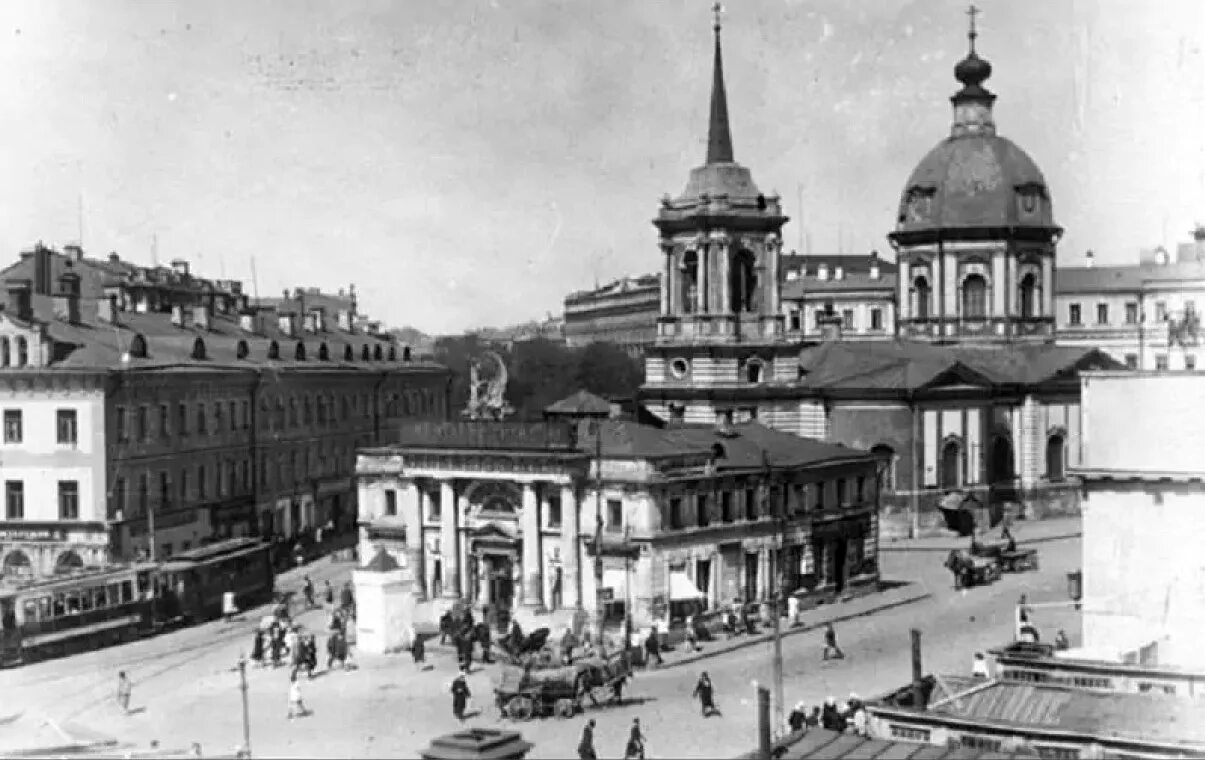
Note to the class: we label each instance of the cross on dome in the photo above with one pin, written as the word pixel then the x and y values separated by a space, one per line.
pixel 972 12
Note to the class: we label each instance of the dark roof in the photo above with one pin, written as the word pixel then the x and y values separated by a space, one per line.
pixel 381 562
pixel 1130 717
pixel 581 402
pixel 1124 278
pixel 745 446
pixel 911 365
pixel 822 744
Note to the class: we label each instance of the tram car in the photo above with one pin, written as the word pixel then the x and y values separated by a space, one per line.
pixel 192 583
pixel 85 610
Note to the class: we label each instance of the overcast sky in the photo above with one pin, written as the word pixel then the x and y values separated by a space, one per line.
pixel 468 163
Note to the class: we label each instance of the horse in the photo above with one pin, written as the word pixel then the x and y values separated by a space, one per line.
pixel 958 563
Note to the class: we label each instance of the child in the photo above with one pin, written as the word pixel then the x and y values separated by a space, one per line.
pixel 296 706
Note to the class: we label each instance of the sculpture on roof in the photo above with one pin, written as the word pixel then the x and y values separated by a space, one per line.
pixel 486 396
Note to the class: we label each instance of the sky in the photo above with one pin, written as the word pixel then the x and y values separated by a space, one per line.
pixel 468 163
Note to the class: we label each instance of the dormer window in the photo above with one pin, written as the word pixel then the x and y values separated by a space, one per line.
pixel 822 273
pixel 839 273
pixel 1029 198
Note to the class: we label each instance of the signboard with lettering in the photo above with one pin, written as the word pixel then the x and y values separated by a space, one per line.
pixel 33 535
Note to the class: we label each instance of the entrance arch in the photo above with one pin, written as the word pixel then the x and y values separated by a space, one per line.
pixel 17 564
pixel 1056 457
pixel 1002 460
pixel 951 464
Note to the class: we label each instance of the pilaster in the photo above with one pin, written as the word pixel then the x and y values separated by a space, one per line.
pixel 448 539
pixel 667 280
pixel 570 549
pixel 533 577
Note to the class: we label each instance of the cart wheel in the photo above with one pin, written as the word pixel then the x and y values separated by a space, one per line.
pixel 565 708
pixel 521 708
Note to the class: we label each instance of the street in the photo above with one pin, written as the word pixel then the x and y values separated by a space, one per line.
pixel 186 685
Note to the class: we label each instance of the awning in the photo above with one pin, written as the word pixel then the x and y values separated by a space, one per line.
pixel 682 588
pixel 617 581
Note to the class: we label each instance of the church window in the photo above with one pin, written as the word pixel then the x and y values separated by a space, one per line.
pixel 876 319
pixel 743 283
pixel 1131 313
pixel 1074 318
pixel 1102 313
pixel 679 368
pixel 690 281
pixel 922 296
pixel 951 465
pixel 1029 297
pixel 1056 457
pixel 974 297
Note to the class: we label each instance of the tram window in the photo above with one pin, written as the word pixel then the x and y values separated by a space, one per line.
pixel 58 606
pixel 30 608
pixel 102 597
pixel 127 591
pixel 8 614
pixel 73 605
pixel 143 582
pixel 44 608
pixel 114 593
pixel 87 597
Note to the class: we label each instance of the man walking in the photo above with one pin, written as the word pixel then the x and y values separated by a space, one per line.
pixel 330 594
pixel 652 645
pixel 635 748
pixel 296 706
pixel 706 695
pixel 308 590
pixel 124 687
pixel 460 695
pixel 830 643
pixel 585 747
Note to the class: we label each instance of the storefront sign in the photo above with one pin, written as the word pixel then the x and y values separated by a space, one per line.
pixel 33 535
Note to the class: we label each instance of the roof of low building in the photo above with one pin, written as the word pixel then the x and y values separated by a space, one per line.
pixel 912 365
pixel 581 402
pixel 831 745
pixel 1133 277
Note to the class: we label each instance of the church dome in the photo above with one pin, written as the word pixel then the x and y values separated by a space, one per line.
pixel 974 179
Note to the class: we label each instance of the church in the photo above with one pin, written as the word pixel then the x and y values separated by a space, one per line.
pixel 972 394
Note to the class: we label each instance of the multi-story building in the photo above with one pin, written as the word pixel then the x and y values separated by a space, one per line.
pixel 503 514
pixel 857 290
pixel 623 312
pixel 1138 313
pixel 140 400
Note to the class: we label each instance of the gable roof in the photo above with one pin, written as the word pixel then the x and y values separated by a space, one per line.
pixel 580 402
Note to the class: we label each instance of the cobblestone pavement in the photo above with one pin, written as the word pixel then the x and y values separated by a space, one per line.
pixel 186 688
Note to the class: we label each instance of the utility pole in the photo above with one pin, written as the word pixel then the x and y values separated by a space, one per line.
pixel 627 586
pixel 242 674
pixel 776 584
pixel 600 607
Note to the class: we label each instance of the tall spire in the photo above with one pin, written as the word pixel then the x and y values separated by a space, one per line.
pixel 719 136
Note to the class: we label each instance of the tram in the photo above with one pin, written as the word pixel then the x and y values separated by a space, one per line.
pixel 95 608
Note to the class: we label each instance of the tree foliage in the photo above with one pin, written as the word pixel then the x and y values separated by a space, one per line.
pixel 542 372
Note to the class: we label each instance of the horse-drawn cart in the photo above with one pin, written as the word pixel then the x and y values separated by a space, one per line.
pixel 1019 560
pixel 528 692
pixel 970 570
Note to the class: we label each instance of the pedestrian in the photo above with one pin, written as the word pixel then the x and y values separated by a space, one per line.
pixel 484 639
pixel 336 650
pixel 464 644
pixel 124 687
pixel 652 645
pixel 308 590
pixel 296 705
pixel 706 694
pixel 979 667
pixel 347 599
pixel 860 720
pixel 445 627
pixel 229 608
pixel 798 718
pixel 635 748
pixel 460 695
pixel 330 594
pixel 568 643
pixel 257 649
pixel 417 648
pixel 830 643
pixel 692 636
pixel 1061 642
pixel 585 746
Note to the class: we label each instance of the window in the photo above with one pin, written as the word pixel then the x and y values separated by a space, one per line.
pixel 1029 297
pixel 217 417
pixel 860 490
pixel 703 510
pixel 726 514
pixel 909 733
pixel 164 424
pixel 1132 361
pixel 750 504
pixel 144 493
pixel 794 320
pixel 1161 361
pixel 677 413
pixel 1057 753
pixel 12 426
pixel 675 513
pixel 182 418
pixel 183 486
pixel 234 415
pixel 435 508
pixel 614 515
pixel 1131 313
pixel 821 491
pixel 165 492
pixel 1160 311
pixel 202 428
pixel 876 319
pixel 842 492
pixel 1074 318
pixel 753 370
pixel 202 486
pixel 922 295
pixel 1102 313
pixel 143 425
pixel 951 465
pixel 847 319
pixel 119 497
pixel 68 500
pixel 887 455
pixel 22 352
pixel 390 502
pixel 119 420
pixel 554 511
pixel 1190 361
pixel 14 499
pixel 1056 457
pixel 246 415
pixel 979 742
pixel 66 426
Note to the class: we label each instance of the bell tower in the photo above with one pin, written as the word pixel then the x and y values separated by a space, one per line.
pixel 720 243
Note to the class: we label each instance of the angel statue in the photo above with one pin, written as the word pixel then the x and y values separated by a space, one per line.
pixel 486 397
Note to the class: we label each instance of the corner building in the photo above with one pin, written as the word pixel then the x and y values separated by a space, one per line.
pixel 969 394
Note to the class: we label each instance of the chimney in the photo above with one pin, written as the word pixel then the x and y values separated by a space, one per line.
pixel 74 252
pixel 180 267
pixel 344 320
pixel 286 324
pixel 822 272
pixel 1089 259
pixel 20 298
pixel 200 317
pixel 106 310
pixel 41 270
pixel 66 300
pixel 874 265
pixel 298 293
pixel 177 315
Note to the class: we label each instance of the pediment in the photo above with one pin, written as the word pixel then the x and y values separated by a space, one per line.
pixel 958 376
pixel 492 531
pixel 1093 361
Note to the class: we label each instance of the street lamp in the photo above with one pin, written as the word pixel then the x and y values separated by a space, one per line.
pixel 778 515
pixel 242 674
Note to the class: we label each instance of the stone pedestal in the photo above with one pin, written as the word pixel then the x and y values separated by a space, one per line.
pixel 387 605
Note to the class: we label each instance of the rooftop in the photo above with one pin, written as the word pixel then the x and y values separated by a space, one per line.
pixel 581 402
pixel 1129 278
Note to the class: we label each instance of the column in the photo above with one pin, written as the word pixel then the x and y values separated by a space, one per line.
pixel 570 549
pixel 701 290
pixel 721 251
pixel 1000 285
pixel 772 250
pixel 1047 292
pixel 424 507
pixel 1011 303
pixel 667 277
pixel 449 550
pixel 533 577
pixel 903 290
pixel 462 555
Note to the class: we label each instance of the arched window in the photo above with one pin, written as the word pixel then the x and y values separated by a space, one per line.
pixel 1029 295
pixel 1056 457
pixel 198 349
pixel 392 353
pixel 922 296
pixel 377 353
pixel 17 564
pixel 307 411
pixel 886 454
pixel 974 297
pixel 743 282
pixel 67 562
pixel 690 281
pixel 365 354
pixel 5 352
pixel 1002 460
pixel 324 353
pixel 754 370
pixel 951 465
pixel 138 347
pixel 349 353
pixel 22 351
pixel 273 350
pixel 242 349
pixel 293 412
pixel 299 352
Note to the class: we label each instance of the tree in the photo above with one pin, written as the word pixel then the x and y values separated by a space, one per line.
pixel 607 370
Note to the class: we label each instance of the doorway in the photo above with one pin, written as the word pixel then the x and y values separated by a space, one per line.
pixel 499 569
pixel 840 555
pixel 437 578
pixel 1002 460
pixel 751 562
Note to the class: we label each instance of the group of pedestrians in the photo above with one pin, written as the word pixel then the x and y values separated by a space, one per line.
pixel 848 717
pixel 634 749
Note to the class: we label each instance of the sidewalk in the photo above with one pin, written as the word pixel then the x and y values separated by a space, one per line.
pixel 1025 531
